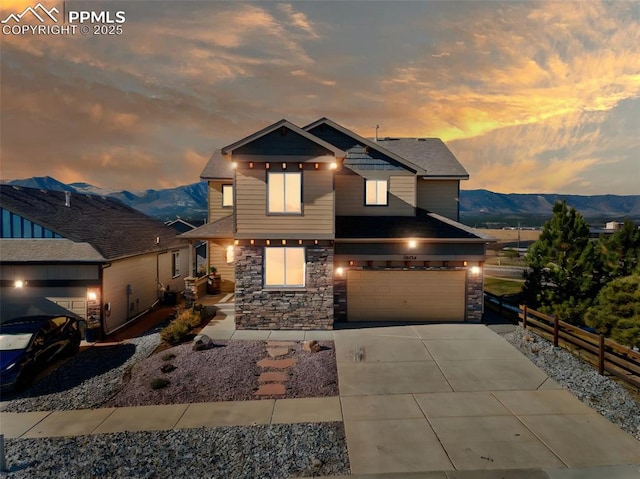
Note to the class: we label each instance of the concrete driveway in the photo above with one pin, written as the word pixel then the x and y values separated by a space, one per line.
pixel 458 397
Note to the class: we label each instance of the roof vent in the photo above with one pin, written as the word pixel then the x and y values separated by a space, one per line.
pixel 67 199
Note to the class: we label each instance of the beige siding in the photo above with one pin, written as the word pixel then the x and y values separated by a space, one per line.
pixel 316 221
pixel 218 258
pixel 143 273
pixel 439 196
pixel 216 210
pixel 406 295
pixel 49 272
pixel 350 195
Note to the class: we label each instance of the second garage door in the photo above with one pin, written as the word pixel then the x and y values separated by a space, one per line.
pixel 405 295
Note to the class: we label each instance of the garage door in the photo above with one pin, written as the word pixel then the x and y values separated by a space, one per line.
pixel 405 295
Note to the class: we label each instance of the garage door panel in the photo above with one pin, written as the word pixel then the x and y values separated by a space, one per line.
pixel 406 295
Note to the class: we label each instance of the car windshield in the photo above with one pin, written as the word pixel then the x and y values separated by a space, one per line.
pixel 12 342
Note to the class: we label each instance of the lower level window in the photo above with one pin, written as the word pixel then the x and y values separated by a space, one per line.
pixel 175 264
pixel 284 267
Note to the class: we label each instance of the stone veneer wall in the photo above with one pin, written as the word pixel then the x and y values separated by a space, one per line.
pixel 475 297
pixel 259 308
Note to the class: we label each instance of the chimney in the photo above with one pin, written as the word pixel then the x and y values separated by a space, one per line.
pixel 377 126
pixel 67 199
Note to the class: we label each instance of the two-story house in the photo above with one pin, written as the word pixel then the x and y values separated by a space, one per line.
pixel 317 224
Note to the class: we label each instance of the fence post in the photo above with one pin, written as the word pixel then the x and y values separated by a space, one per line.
pixel 524 317
pixel 555 331
pixel 3 462
pixel 601 355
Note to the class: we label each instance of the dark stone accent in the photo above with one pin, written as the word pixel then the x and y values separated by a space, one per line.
pixel 475 297
pixel 259 308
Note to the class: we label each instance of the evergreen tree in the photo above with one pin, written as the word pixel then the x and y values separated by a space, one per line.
pixel 619 253
pixel 616 313
pixel 560 279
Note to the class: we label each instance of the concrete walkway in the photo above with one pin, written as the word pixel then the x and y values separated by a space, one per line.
pixel 415 400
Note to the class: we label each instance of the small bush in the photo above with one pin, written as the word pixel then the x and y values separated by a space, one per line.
pixel 167 368
pixel 179 329
pixel 176 332
pixel 168 357
pixel 159 383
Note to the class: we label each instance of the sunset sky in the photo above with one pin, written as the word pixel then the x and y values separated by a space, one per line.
pixel 532 97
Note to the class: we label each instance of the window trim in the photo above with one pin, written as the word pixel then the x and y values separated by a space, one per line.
pixel 284 286
pixel 376 181
pixel 223 196
pixel 175 266
pixel 284 213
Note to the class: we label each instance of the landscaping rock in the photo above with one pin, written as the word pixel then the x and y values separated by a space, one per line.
pixel 202 342
pixel 311 346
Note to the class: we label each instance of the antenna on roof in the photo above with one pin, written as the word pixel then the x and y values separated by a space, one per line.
pixel 377 126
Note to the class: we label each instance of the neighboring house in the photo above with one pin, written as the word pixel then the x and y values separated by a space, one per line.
pixel 315 225
pixel 96 257
pixel 199 248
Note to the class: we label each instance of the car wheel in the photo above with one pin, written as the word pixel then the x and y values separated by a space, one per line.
pixel 73 347
pixel 25 378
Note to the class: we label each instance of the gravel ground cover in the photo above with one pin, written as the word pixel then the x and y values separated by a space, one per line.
pixel 601 393
pixel 226 372
pixel 87 380
pixel 274 451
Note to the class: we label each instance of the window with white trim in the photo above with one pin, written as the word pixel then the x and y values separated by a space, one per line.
pixel 284 267
pixel 284 193
pixel 227 195
pixel 375 192
pixel 175 264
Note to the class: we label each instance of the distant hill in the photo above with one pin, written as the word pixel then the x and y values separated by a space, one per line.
pixel 477 207
pixel 189 202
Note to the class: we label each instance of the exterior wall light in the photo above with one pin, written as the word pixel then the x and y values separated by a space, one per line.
pixel 475 270
pixel 92 296
pixel 18 284
pixel 340 271
pixel 413 244
pixel 234 165
pixel 333 166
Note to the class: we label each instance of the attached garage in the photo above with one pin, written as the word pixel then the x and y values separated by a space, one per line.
pixel 407 295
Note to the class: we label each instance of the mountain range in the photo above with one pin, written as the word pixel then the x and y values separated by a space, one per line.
pixel 477 207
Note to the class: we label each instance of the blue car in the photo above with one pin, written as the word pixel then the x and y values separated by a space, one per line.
pixel 29 344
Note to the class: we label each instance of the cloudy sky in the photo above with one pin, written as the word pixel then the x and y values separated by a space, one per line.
pixel 530 96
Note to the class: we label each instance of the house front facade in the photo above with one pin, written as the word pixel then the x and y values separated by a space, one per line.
pixel 316 225
pixel 90 255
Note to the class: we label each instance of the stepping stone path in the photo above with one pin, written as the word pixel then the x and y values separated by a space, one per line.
pixel 273 376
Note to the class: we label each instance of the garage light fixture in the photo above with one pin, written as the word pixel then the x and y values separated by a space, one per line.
pixel 92 296
pixel 413 244
pixel 333 166
pixel 475 270
pixel 18 284
pixel 340 271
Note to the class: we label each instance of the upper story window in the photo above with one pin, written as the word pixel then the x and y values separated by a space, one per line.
pixel 375 192
pixel 15 226
pixel 227 195
pixel 284 267
pixel 284 191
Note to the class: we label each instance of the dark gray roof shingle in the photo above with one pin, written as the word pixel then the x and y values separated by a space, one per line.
pixel 217 168
pixel 430 154
pixel 223 228
pixel 112 228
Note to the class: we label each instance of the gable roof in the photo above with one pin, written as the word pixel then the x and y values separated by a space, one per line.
pixel 430 154
pixel 113 229
pixel 355 151
pixel 338 153
pixel 220 229
pixel 217 168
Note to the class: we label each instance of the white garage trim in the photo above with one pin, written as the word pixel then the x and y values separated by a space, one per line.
pixel 406 295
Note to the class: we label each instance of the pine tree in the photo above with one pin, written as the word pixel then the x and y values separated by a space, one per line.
pixel 560 279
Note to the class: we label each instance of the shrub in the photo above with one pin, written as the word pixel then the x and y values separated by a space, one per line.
pixel 159 383
pixel 167 368
pixel 178 330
